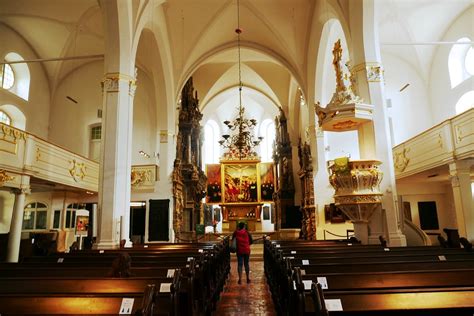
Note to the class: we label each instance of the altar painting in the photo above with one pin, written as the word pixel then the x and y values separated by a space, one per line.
pixel 240 183
pixel 214 189
pixel 267 182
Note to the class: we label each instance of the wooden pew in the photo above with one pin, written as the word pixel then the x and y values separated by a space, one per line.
pixel 60 304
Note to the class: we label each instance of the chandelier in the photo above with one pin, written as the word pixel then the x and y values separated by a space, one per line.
pixel 240 142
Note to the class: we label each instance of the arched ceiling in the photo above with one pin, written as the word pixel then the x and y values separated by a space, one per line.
pixel 201 40
pixel 405 22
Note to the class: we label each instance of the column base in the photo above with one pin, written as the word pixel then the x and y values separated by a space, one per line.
pixel 128 243
pixel 397 240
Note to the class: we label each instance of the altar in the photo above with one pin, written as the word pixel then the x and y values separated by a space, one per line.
pixel 240 188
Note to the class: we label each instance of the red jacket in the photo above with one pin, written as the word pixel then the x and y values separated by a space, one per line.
pixel 243 241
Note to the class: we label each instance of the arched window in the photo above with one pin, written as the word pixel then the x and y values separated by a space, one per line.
pixel 7 76
pixel 20 76
pixel 35 216
pixel 465 102
pixel 211 146
pixel 460 61
pixel 11 115
pixel 4 118
pixel 267 131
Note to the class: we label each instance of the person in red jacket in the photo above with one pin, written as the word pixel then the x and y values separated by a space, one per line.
pixel 243 241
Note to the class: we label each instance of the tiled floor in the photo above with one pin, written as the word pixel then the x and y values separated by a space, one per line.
pixel 246 299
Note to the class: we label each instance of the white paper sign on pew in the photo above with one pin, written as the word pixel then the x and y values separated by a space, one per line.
pixel 165 287
pixel 442 258
pixel 324 282
pixel 146 246
pixel 60 260
pixel 293 252
pixel 305 262
pixel 277 246
pixel 201 250
pixel 170 273
pixel 333 305
pixel 127 306
pixel 303 272
pixel 307 284
pixel 190 258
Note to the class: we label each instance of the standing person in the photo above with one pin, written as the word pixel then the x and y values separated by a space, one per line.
pixel 243 241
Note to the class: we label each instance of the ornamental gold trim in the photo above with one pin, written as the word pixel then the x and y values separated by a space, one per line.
pixel 401 160
pixel 77 170
pixel 4 177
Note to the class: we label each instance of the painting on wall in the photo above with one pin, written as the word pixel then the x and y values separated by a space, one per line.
pixel 214 188
pixel 267 182
pixel 240 183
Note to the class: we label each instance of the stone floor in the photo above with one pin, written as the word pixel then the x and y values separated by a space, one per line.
pixel 246 299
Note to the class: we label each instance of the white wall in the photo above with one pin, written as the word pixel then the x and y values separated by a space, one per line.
pixel 443 97
pixel 70 122
pixel 437 192
pixel 410 111
pixel 36 109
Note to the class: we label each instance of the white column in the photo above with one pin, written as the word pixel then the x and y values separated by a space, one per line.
pixel 16 224
pixel 376 142
pixel 463 197
pixel 114 177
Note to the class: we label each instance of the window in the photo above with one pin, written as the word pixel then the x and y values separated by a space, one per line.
pixel 94 146
pixel 57 219
pixel 465 102
pixel 16 77
pixel 4 118
pixel 267 131
pixel 35 216
pixel 71 214
pixel 7 77
pixel 460 61
pixel 211 146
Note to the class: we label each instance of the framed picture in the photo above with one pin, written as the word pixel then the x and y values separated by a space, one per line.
pixel 214 187
pixel 240 183
pixel 267 181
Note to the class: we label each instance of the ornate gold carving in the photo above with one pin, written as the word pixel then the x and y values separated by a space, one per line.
pixel 77 170
pixel 4 177
pixel 357 187
pixel 111 83
pixel 344 125
pixel 401 160
pixel 374 73
pixel 373 70
pixel 38 153
pixel 440 140
pixel 344 89
pixel 143 176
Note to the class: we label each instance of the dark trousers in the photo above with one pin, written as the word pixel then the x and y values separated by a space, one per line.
pixel 243 260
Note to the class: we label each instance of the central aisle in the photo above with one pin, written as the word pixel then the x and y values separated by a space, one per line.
pixel 247 299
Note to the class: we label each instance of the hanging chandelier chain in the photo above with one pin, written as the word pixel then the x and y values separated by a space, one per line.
pixel 241 144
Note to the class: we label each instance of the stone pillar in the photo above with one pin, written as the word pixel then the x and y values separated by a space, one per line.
pixel 16 223
pixel 463 197
pixel 375 137
pixel 116 165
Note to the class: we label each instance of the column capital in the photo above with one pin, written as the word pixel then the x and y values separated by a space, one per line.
pixel 374 71
pixel 21 190
pixel 111 80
